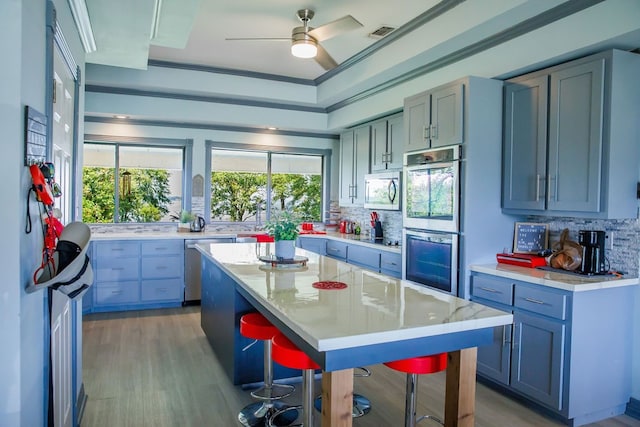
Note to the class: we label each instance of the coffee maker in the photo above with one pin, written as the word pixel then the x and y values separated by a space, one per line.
pixel 593 259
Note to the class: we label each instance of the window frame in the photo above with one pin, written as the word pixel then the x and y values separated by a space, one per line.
pixel 326 170
pixel 186 145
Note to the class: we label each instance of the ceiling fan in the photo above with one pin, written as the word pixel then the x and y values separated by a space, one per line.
pixel 305 39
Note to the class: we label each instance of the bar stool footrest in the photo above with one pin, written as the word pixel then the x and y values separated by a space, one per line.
pixel 276 419
pixel 275 392
pixel 257 413
pixel 430 417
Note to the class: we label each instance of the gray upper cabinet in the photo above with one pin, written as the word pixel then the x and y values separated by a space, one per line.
pixel 525 143
pixel 354 165
pixel 569 148
pixel 387 143
pixel 434 118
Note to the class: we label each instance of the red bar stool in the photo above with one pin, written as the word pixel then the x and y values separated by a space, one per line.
pixel 287 354
pixel 257 327
pixel 413 367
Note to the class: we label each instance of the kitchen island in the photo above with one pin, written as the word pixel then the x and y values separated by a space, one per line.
pixel 374 319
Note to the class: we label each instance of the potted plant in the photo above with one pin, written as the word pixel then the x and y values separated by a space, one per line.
pixel 283 226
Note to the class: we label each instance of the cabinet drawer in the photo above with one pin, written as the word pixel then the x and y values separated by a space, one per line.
pixel 162 247
pixel 113 270
pixel 161 290
pixel 492 289
pixel 116 293
pixel 162 267
pixel 391 264
pixel 337 249
pixel 541 301
pixel 116 249
pixel 365 257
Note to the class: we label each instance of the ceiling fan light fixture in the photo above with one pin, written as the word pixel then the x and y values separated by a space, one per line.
pixel 304 49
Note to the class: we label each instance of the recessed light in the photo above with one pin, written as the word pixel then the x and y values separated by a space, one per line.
pixel 120 116
pixel 272 128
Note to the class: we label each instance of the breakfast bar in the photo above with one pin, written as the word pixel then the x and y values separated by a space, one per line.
pixel 368 319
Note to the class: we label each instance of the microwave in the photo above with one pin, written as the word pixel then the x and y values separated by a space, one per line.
pixel 382 191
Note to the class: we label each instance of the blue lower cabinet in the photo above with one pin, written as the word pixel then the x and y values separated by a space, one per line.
pixel 363 256
pixel 221 309
pixel 337 250
pixel 538 357
pixel 391 264
pixel 317 245
pixel 136 274
pixel 566 351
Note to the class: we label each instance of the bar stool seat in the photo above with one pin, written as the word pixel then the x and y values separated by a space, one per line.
pixel 257 327
pixel 412 367
pixel 288 354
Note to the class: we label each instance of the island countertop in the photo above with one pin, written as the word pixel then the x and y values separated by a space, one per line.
pixel 373 308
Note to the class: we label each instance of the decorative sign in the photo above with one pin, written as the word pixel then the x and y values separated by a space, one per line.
pixel 530 237
pixel 35 138
pixel 197 186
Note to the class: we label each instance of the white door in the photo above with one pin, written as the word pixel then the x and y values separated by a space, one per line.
pixel 61 359
pixel 61 327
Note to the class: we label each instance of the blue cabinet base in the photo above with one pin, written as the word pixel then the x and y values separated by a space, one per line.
pixel 221 309
pixel 574 422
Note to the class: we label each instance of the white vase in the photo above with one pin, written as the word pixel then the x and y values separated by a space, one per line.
pixel 285 249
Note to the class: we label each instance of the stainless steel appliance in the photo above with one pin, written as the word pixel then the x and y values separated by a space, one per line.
pixel 198 224
pixel 382 191
pixel 593 247
pixel 431 189
pixel 430 258
pixel 193 267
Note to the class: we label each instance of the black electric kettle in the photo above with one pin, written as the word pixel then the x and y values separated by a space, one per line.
pixel 197 224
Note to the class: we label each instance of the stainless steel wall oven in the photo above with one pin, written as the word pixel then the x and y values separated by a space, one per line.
pixel 431 189
pixel 430 258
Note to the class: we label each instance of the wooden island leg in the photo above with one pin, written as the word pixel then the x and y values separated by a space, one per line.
pixel 460 400
pixel 337 398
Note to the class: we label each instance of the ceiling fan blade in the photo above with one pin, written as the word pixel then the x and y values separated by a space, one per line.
pixel 324 59
pixel 333 28
pixel 259 38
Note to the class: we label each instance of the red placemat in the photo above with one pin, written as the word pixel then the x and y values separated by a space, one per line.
pixel 329 284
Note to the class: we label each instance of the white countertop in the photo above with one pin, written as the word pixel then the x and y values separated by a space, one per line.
pixel 140 235
pixel 373 309
pixel 555 279
pixel 357 240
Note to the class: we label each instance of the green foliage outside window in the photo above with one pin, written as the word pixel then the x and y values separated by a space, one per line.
pixel 148 200
pixel 236 196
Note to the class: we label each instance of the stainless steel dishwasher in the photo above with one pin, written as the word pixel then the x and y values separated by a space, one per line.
pixel 193 268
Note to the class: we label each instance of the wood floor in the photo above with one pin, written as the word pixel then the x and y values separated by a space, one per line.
pixel 155 368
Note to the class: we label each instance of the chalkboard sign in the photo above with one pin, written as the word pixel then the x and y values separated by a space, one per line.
pixel 530 237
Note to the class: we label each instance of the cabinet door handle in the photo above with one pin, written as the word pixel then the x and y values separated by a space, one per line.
pixel 506 337
pixel 161 248
pixel 535 301
pixel 355 191
pixel 161 290
pixel 117 249
pixel 117 268
pixel 116 292
pixel 434 131
pixel 552 184
pixel 537 187
pixel 493 291
pixel 426 132
pixel 161 267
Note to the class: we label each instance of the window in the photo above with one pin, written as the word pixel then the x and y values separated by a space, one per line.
pixel 248 184
pixel 148 188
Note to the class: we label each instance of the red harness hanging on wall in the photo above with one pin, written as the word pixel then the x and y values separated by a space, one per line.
pixel 43 184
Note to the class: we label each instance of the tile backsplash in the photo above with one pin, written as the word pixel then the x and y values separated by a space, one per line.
pixel 391 221
pixel 623 242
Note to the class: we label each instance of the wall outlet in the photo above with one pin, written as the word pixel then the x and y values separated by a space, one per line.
pixel 609 242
